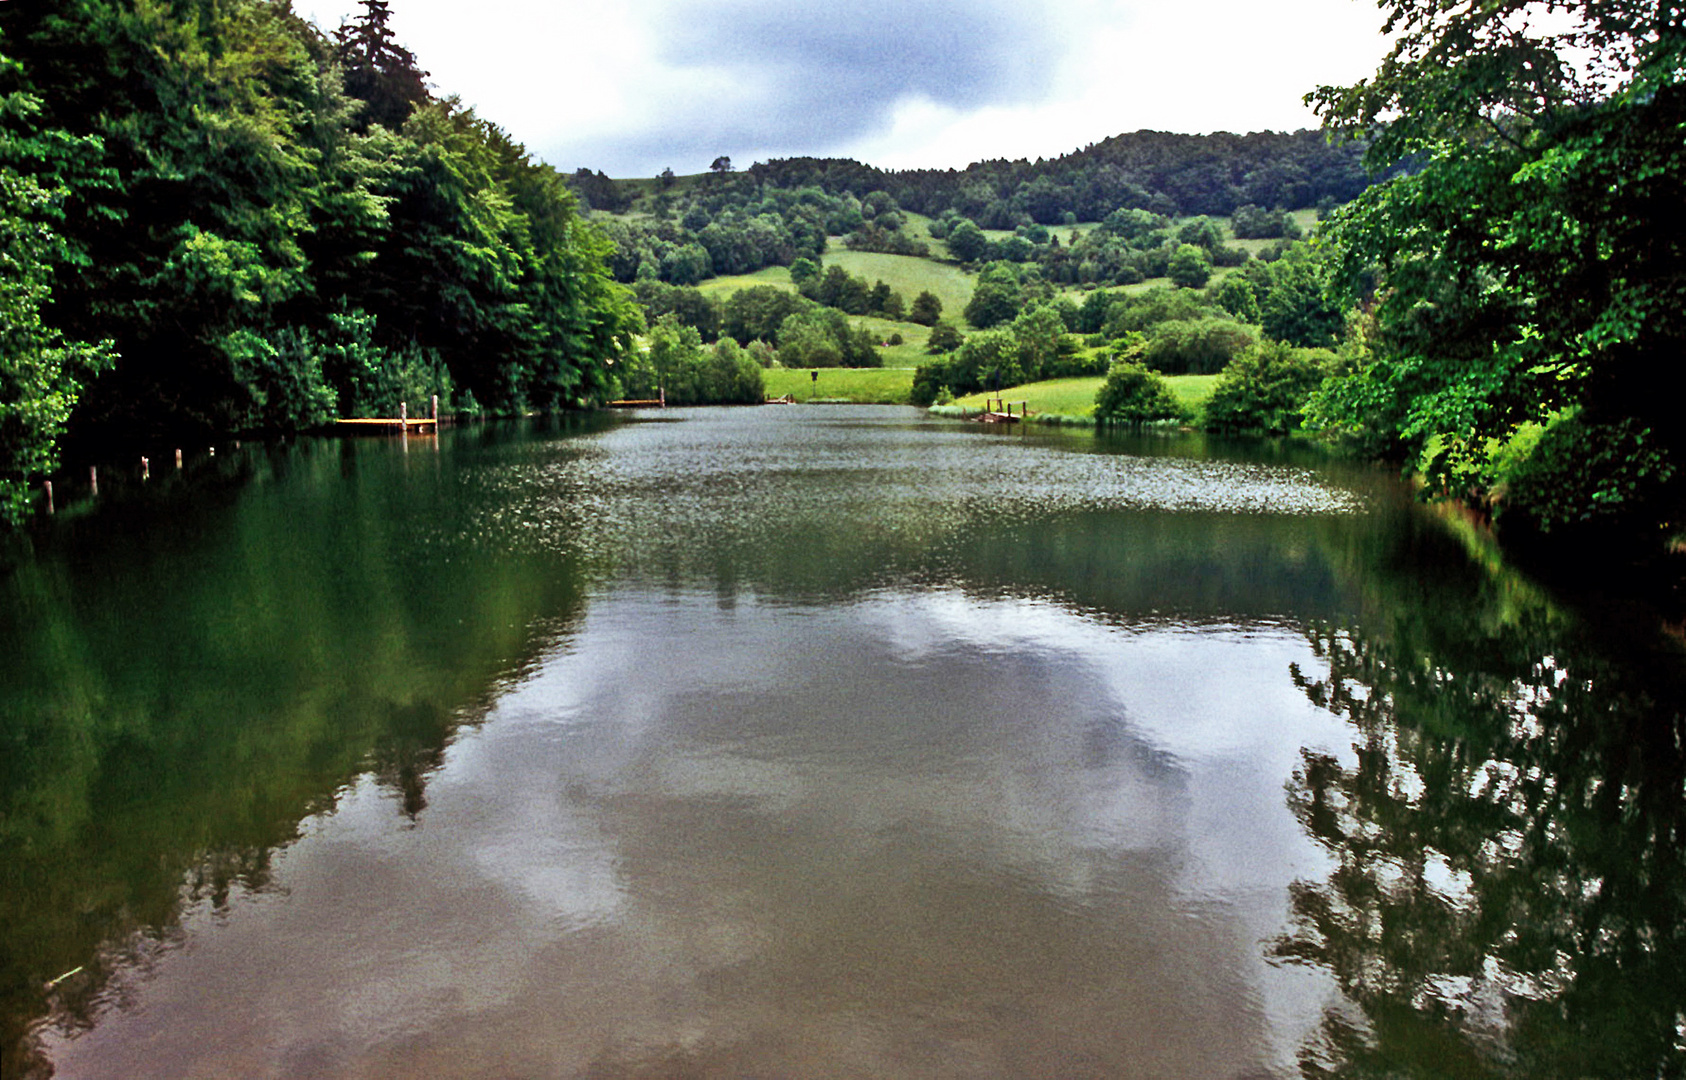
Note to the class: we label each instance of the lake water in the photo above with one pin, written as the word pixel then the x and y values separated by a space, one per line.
pixel 822 742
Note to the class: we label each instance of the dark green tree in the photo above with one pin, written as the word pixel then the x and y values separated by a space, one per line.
pixel 945 338
pixel 377 70
pixel 926 309
pixel 1189 267
pixel 1265 389
pixel 967 242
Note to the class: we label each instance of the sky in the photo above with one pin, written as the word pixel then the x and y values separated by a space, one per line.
pixel 631 87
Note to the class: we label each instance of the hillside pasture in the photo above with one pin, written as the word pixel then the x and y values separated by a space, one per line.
pixel 1076 397
pixel 862 386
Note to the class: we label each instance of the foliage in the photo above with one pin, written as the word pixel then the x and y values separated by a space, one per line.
pixel 41 372
pixel 378 71
pixel 1252 222
pixel 1189 267
pixel 926 309
pixel 1525 264
pixel 688 373
pixel 1265 389
pixel 1196 346
pixel 944 338
pixel 1132 394
pixel 758 312
pixel 273 227
pixel 821 337
pixel 1581 472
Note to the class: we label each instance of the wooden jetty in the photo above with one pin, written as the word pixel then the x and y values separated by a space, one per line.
pixel 999 411
pixel 657 402
pixel 389 422
pixel 402 422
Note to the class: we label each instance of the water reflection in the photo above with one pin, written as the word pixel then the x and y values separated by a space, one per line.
pixel 1014 849
pixel 818 742
pixel 190 673
pixel 1509 896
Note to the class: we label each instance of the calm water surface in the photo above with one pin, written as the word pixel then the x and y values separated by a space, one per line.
pixel 822 742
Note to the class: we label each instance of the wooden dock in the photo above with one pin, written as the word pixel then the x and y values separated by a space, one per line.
pixel 999 411
pixel 402 422
pixel 393 422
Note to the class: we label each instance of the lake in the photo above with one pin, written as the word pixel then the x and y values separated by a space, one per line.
pixel 822 742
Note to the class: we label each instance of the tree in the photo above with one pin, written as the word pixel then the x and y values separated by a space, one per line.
pixel 926 309
pixel 41 373
pixel 1264 389
pixel 378 71
pixel 945 338
pixel 1525 263
pixel 721 165
pixel 967 242
pixel 1189 267
pixel 1038 331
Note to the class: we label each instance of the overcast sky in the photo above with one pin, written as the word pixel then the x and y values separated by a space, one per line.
pixel 633 86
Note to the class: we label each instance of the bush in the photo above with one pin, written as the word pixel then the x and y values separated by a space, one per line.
pixel 1134 395
pixel 1265 389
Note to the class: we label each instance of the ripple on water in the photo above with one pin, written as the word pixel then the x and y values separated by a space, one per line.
pixel 659 484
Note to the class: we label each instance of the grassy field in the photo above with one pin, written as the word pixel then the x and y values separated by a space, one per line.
pixel 721 287
pixel 866 386
pixel 909 275
pixel 1076 397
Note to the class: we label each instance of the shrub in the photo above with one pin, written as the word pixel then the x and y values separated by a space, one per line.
pixel 1264 389
pixel 1134 395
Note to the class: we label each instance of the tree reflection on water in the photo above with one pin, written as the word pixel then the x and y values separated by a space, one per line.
pixel 1508 895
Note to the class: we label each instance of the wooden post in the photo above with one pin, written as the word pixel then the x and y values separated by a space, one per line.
pixel 436 414
pixel 49 486
pixel 146 468
pixel 178 457
pixel 404 415
pixel 94 479
pixel 662 390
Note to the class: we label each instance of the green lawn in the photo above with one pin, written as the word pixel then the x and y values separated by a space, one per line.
pixel 1076 397
pixel 866 386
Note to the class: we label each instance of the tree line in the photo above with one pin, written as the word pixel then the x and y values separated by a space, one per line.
pixel 217 218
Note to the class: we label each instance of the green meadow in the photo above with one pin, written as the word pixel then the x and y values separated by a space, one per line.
pixel 907 274
pixel 910 275
pixel 862 386
pixel 1076 397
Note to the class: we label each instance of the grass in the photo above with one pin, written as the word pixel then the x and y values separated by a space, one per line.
pixel 863 386
pixel 1076 397
pixel 909 275
pixel 721 287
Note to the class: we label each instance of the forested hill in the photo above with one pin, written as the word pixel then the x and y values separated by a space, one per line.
pixel 216 217
pixel 1170 174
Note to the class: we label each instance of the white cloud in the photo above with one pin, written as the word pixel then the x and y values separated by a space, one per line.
pixel 634 86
